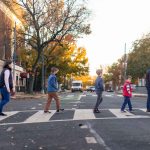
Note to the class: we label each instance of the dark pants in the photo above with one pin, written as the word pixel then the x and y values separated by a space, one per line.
pixel 99 100
pixel 148 98
pixel 5 98
pixel 126 101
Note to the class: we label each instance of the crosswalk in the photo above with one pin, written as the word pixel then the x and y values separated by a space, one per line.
pixel 38 116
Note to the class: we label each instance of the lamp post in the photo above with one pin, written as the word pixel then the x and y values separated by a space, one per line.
pixel 125 62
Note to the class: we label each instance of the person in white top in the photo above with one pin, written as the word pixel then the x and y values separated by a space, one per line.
pixel 6 85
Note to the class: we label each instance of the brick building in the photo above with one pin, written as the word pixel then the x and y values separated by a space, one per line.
pixel 8 19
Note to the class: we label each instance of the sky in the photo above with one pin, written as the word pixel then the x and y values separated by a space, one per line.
pixel 114 23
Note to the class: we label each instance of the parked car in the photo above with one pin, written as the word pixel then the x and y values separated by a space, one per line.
pixel 133 86
pixel 110 90
pixel 91 88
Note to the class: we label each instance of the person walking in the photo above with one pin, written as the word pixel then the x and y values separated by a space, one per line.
pixel 127 93
pixel 148 90
pixel 99 88
pixel 52 91
pixel 6 85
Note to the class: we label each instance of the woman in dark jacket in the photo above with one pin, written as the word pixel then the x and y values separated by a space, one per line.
pixel 6 85
pixel 148 89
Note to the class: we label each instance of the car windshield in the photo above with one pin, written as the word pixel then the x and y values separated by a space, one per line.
pixel 76 84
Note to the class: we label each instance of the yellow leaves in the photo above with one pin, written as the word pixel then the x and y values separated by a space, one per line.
pixel 28 57
pixel 87 80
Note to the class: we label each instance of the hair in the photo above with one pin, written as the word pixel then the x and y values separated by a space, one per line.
pixel 53 69
pixel 99 71
pixel 129 77
pixel 7 63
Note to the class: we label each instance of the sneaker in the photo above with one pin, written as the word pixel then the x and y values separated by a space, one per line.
pixel 2 114
pixel 123 111
pixel 60 110
pixel 131 110
pixel 96 111
pixel 46 111
pixel 148 110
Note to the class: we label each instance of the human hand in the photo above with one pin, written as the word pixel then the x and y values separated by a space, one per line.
pixel 12 92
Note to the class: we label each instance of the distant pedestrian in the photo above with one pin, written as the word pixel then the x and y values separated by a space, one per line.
pixel 99 90
pixel 127 93
pixel 6 85
pixel 148 89
pixel 52 91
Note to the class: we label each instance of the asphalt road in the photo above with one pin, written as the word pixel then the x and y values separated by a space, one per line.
pixel 27 128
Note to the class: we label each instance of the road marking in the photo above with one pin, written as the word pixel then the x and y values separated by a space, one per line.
pixel 80 96
pixel 10 129
pixel 108 95
pixel 70 96
pixel 79 114
pixel 83 114
pixel 90 140
pixel 84 127
pixel 40 116
pixel 120 95
pixel 118 113
pixel 98 137
pixel 143 110
pixel 8 115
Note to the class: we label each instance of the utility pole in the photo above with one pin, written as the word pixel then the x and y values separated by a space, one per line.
pixel 125 62
pixel 14 52
pixel 43 76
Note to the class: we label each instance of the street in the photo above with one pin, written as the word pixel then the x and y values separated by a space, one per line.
pixel 27 128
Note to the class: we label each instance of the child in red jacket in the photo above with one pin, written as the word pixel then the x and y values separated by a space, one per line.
pixel 127 93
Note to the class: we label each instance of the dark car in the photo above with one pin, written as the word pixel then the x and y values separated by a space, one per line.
pixel 110 90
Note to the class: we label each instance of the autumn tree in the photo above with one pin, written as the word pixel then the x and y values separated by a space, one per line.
pixel 139 58
pixel 72 62
pixel 49 21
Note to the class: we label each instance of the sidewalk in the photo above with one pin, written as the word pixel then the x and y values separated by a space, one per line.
pixel 24 96
pixel 134 94
pixel 38 95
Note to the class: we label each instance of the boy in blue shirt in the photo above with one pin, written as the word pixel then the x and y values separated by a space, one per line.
pixel 52 91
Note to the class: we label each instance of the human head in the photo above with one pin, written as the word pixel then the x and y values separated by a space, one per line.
pixel 54 70
pixel 129 78
pixel 99 72
pixel 8 64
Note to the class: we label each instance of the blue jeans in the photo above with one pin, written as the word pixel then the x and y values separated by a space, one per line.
pixel 148 98
pixel 126 101
pixel 5 98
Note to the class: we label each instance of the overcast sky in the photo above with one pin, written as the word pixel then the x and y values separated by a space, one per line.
pixel 114 23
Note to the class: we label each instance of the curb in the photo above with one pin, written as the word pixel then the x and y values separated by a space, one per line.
pixel 34 96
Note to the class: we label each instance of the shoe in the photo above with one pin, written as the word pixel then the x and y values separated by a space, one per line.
pixel 46 111
pixel 123 111
pixel 60 110
pixel 2 114
pixel 131 110
pixel 96 111
pixel 148 110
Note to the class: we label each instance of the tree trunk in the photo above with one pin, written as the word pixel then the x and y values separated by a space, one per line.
pixel 31 83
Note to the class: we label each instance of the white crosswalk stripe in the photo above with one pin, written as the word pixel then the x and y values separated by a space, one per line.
pixel 40 116
pixel 83 114
pixel 77 114
pixel 118 113
pixel 8 115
